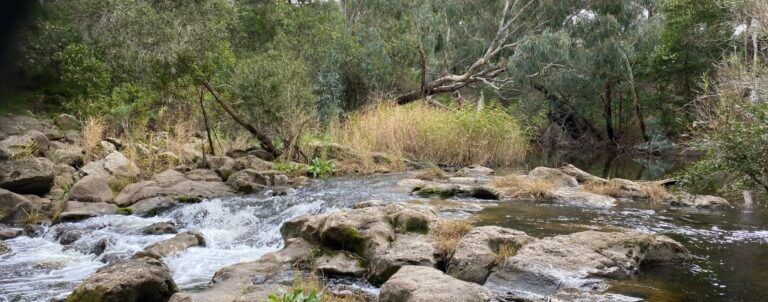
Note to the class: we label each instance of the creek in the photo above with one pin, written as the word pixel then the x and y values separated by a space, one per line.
pixel 730 247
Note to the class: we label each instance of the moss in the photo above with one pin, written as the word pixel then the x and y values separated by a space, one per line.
pixel 344 238
pixel 443 193
pixel 416 225
pixel 188 199
pixel 124 211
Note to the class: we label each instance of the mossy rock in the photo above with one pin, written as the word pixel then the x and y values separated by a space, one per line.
pixel 124 211
pixel 188 199
pixel 344 238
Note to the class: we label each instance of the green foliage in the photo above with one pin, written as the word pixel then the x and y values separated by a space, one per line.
pixel 297 295
pixel 292 168
pixel 320 168
pixel 736 153
pixel 124 211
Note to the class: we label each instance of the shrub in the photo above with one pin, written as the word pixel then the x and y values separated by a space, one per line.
pixel 320 168
pixel 452 136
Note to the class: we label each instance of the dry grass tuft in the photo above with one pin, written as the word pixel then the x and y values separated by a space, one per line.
pixel 453 136
pixel 312 286
pixel 448 233
pixel 431 173
pixel 656 192
pixel 505 251
pixel 519 186
pixel 93 134
pixel 608 188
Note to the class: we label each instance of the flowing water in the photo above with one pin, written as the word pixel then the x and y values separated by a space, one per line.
pixel 731 247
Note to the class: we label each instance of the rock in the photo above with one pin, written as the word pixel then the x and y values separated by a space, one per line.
pixel 426 284
pixel 118 165
pixel 340 263
pixel 554 176
pixel 118 143
pixel 135 192
pixel 478 251
pixel 175 245
pixel 76 210
pixel 332 151
pixel 144 279
pixel 445 191
pixel 203 175
pixel 8 233
pixel 106 147
pixel 236 153
pixel 254 281
pixel 248 181
pixel 67 122
pixel 18 124
pixel 580 175
pixel 4 249
pixel 27 176
pixel 70 236
pixel 223 165
pixel 169 178
pixel 405 250
pixel 411 183
pixel 91 188
pixel 253 162
pixel 263 154
pixel 152 206
pixel 569 261
pixel 33 230
pixel 13 207
pixel 685 199
pixel 476 171
pixel 69 155
pixel 31 144
pixel 575 197
pixel 159 228
pixel 95 168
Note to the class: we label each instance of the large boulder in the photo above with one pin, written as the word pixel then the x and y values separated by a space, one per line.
pixel 571 261
pixel 480 249
pixel 19 124
pixel 31 144
pixel 253 162
pixel 426 284
pixel 118 165
pixel 66 154
pixel 27 176
pixel 407 249
pixel 171 183
pixel 554 176
pixel 203 175
pixel 91 188
pixel 152 206
pixel 136 280
pixel 13 207
pixel 175 245
pixel 75 210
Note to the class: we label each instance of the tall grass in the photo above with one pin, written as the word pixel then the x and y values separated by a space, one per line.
pixel 454 136
pixel 93 133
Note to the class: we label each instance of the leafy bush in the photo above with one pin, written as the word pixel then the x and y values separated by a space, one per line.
pixel 320 168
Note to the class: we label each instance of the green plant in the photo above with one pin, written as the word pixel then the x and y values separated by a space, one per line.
pixel 292 168
pixel 320 168
pixel 29 150
pixel 297 295
pixel 124 211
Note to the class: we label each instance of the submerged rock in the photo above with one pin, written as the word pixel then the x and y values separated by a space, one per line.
pixel 175 245
pixel 571 261
pixel 159 228
pixel 445 191
pixel 422 284
pixel 143 279
pixel 4 249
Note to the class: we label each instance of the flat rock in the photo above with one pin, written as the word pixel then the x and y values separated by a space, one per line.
pixel 76 210
pixel 203 175
pixel 684 199
pixel 554 176
pixel 426 284
pixel 10 233
pixel 410 249
pixel 32 143
pixel 152 206
pixel 571 261
pixel 576 197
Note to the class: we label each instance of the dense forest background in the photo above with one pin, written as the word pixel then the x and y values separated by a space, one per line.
pixel 568 72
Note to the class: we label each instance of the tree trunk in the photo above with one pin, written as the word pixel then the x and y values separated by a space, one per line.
pixel 207 126
pixel 635 101
pixel 263 139
pixel 608 113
